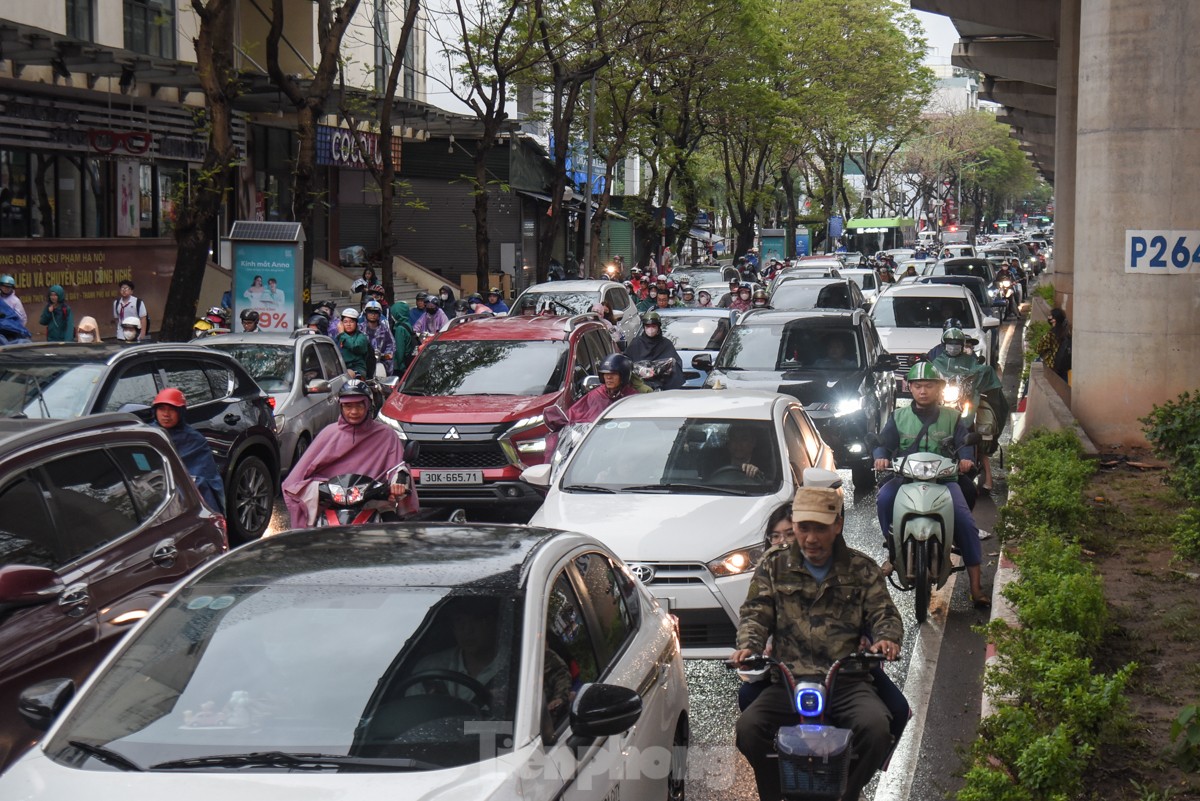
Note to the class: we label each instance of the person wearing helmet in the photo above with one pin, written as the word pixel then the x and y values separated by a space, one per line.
pixel 922 427
pixel 12 330
pixel 318 324
pixel 432 320
pixel 704 299
pixel 743 301
pixel 131 328
pixel 760 300
pixel 355 347
pixel 616 371
pixel 249 318
pixel 418 309
pixel 651 345
pixel 356 443
pixel 169 406
pixel 379 334
pixel 495 301
pixel 689 296
pixel 8 294
pixel 202 328
pixel 126 306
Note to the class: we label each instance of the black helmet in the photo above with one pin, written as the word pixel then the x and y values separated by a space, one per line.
pixel 617 363
pixel 354 388
pixel 422 295
pixel 433 302
pixel 951 322
pixel 318 319
pixel 249 316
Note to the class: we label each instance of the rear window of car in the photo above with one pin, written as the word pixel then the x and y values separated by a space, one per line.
pixel 692 332
pixel 556 303
pixel 918 312
pixel 488 367
pixel 271 366
pixel 775 348
pixel 798 295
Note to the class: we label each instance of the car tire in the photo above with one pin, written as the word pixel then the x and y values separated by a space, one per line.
pixel 302 443
pixel 677 778
pixel 249 499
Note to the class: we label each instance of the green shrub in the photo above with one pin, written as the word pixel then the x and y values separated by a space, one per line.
pixel 1046 485
pixel 1174 431
pixel 1185 536
pixel 1045 292
pixel 1034 331
pixel 1185 734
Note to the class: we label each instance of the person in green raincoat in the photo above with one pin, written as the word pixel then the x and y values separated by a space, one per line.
pixel 406 338
pixel 956 361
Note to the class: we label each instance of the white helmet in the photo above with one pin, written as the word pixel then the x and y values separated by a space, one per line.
pixel 131 322
pixel 351 313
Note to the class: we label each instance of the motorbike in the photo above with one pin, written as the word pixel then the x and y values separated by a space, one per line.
pixel 1006 298
pixel 923 523
pixel 976 412
pixel 656 374
pixel 353 499
pixel 814 756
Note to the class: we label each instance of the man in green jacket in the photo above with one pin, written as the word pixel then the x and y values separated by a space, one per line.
pixel 355 347
pixel 815 599
pixel 58 317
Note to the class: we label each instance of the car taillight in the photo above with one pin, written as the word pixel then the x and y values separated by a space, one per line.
pixel 271 402
pixel 220 522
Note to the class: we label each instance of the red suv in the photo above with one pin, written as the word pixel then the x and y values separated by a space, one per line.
pixel 475 396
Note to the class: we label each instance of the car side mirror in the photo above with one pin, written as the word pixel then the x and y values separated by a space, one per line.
pixel 886 362
pixel 389 384
pixel 538 475
pixel 991 322
pixel 618 314
pixel 318 386
pixel 602 710
pixel 591 382
pixel 39 704
pixel 412 451
pixel 27 585
pixel 703 362
pixel 555 417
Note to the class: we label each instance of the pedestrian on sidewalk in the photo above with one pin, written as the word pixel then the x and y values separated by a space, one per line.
pixel 1055 346
pixel 127 305
pixel 57 316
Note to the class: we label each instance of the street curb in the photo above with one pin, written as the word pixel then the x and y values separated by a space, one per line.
pixel 1006 571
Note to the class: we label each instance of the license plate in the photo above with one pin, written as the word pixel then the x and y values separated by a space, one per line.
pixel 444 477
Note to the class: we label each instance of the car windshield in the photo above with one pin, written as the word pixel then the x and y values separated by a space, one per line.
pixel 699 277
pixel 864 280
pixel 49 389
pixel 557 303
pixel 693 332
pixel 272 366
pixel 804 295
pixel 365 673
pixel 488 367
pixel 977 269
pixel 917 312
pixel 684 455
pixel 790 346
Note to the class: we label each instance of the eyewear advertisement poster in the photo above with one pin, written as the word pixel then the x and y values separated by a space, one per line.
pixel 129 200
pixel 265 279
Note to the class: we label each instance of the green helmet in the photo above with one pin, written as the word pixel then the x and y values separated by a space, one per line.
pixel 954 335
pixel 923 371
pixel 652 318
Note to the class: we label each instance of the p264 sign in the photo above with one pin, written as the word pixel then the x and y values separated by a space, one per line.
pixel 1162 252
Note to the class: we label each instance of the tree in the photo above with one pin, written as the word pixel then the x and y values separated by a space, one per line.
pixel 493 45
pixel 309 101
pixel 196 216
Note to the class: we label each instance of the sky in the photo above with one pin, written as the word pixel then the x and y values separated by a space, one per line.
pixel 940 37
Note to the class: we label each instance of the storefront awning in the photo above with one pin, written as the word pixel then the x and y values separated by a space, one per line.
pixel 869 224
pixel 575 203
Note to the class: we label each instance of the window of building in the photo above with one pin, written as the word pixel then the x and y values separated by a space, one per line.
pixel 383 46
pixel 80 14
pixel 150 27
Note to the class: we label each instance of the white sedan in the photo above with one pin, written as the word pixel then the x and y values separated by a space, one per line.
pixel 402 661
pixel 686 503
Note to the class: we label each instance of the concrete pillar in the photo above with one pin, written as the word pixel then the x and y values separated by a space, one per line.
pixel 1136 336
pixel 1066 131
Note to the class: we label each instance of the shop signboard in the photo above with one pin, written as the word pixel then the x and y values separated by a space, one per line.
pixel 267 272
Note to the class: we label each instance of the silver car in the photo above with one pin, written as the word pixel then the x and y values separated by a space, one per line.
pixel 579 297
pixel 302 373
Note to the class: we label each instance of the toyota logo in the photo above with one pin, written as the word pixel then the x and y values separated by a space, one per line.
pixel 643 573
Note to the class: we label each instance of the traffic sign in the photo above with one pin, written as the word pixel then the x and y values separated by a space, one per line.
pixel 1162 252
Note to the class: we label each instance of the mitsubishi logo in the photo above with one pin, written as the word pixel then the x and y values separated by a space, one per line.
pixel 641 572
pixel 451 434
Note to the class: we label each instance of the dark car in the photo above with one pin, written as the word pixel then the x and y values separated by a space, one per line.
pixel 63 380
pixel 100 520
pixel 475 398
pixel 830 360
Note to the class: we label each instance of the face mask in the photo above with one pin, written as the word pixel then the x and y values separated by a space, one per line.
pixel 87 337
pixel 954 349
pixel 129 334
pixel 445 296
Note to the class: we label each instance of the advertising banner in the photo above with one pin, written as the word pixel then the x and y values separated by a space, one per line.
pixel 129 198
pixel 265 276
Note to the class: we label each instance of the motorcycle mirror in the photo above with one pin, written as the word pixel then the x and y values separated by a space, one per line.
pixel 591 382
pixel 412 451
pixel 555 417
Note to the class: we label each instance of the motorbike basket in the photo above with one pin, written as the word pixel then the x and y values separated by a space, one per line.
pixel 814 761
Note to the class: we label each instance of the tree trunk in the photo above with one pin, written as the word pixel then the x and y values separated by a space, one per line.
pixel 481 215
pixel 304 181
pixel 789 194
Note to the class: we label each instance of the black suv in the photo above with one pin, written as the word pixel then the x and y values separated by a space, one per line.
pixel 64 380
pixel 828 359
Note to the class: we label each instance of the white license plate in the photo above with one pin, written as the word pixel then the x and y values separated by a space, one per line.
pixel 444 477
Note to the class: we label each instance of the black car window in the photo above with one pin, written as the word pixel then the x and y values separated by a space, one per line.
pixel 135 386
pixel 614 299
pixel 146 471
pixel 310 364
pixel 189 378
pixel 89 486
pixel 221 379
pixel 570 656
pixel 29 538
pixel 603 593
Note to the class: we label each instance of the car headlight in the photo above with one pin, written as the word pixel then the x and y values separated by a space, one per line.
pixel 950 395
pixel 848 406
pixel 920 470
pixel 532 445
pixel 526 423
pixel 280 421
pixel 736 562
pixel 393 424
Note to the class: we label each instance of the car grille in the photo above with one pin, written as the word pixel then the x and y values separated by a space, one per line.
pixel 669 573
pixel 705 628
pixel 477 455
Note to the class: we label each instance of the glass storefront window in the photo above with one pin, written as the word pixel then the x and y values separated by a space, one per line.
pixel 14 193
pixel 41 217
pixel 146 199
pixel 70 197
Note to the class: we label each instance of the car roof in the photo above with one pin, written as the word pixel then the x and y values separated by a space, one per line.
pixel 821 280
pixel 490 558
pixel 741 404
pixel 714 311
pixel 782 317
pixel 261 337
pixel 18 434
pixel 572 286
pixel 102 353
pixel 928 290
pixel 535 327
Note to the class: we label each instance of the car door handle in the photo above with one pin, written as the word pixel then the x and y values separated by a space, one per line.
pixel 165 554
pixel 74 600
pixel 231 419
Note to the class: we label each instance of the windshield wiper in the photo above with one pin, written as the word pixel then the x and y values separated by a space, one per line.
pixel 684 488
pixel 589 488
pixel 41 398
pixel 286 759
pixel 106 755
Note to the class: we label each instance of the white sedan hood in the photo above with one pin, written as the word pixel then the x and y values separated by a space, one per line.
pixel 654 527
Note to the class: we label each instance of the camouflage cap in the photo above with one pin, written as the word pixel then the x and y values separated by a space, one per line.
pixel 820 499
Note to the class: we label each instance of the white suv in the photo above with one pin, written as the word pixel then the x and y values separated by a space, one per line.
pixel 678 505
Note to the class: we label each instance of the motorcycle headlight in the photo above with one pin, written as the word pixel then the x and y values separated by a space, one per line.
pixel 950 394
pixel 920 470
pixel 393 424
pixel 736 562
pixel 1006 283
pixel 848 406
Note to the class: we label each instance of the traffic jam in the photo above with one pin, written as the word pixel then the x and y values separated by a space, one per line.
pixel 497 565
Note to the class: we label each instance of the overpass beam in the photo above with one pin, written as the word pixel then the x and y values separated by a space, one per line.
pixel 1029 17
pixel 1031 62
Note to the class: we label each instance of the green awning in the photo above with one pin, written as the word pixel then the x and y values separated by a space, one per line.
pixel 879 222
